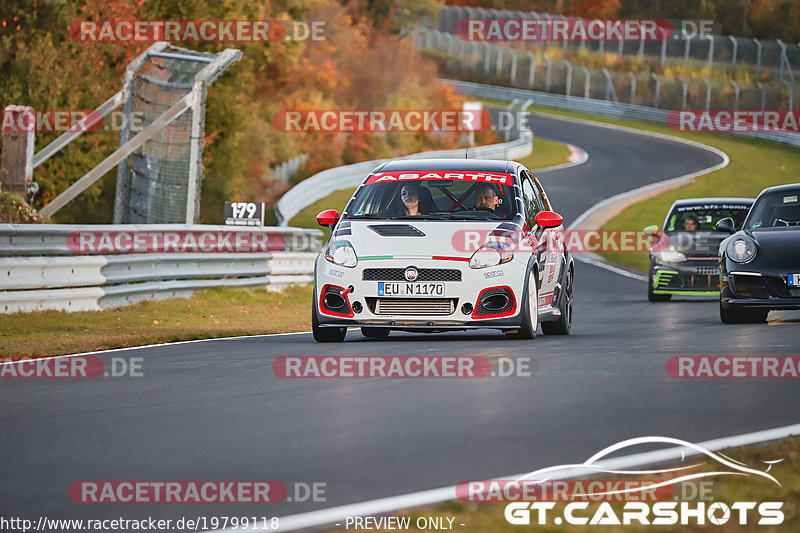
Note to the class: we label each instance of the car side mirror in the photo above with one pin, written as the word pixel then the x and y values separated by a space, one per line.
pixel 329 218
pixel 725 225
pixel 549 219
pixel 651 231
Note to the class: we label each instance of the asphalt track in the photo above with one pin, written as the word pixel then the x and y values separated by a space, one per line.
pixel 215 410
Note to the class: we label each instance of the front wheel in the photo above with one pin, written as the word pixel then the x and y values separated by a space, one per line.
pixel 731 315
pixel 530 316
pixel 564 322
pixel 324 334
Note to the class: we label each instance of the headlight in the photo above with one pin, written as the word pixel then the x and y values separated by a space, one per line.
pixel 491 254
pixel 741 249
pixel 671 256
pixel 341 253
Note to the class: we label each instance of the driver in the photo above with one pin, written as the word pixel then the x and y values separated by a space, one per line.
pixel 690 223
pixel 486 197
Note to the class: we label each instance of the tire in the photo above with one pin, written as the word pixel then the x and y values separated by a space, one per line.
pixel 652 297
pixel 324 334
pixel 564 322
pixel 731 315
pixel 375 333
pixel 530 316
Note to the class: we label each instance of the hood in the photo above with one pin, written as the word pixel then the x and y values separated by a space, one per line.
pixel 416 239
pixel 782 244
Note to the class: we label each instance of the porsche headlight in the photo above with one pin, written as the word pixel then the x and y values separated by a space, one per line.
pixel 341 253
pixel 671 256
pixel 741 249
pixel 491 254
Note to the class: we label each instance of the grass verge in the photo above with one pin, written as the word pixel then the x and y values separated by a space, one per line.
pixel 489 517
pixel 218 312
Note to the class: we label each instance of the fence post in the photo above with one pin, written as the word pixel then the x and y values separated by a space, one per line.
pixel 17 167
pixel 711 51
pixel 708 93
pixel 791 94
pixel 735 95
pixel 663 33
pixel 586 82
pixel 684 91
pixel 513 74
pixel 547 75
pixel 758 56
pixel 735 44
pixel 657 91
pixel 532 71
pixel 633 87
pixel 499 65
pixel 686 47
pixel 487 53
pixel 763 96
pixel 783 54
pixel 474 56
pixel 569 78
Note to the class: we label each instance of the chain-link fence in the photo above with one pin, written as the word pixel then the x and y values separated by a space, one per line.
pixel 160 181
pixel 491 63
pixel 719 50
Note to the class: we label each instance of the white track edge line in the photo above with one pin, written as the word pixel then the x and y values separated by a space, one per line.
pixel 433 496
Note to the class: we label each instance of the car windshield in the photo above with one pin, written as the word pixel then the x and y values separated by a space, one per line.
pixel 398 197
pixel 774 210
pixel 703 216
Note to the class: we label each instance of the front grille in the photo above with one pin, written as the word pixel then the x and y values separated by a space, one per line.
pixel 707 270
pixel 413 306
pixel 748 286
pixel 398 274
pixel 778 286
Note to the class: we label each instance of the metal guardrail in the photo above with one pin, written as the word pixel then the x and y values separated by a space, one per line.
pixel 324 183
pixel 39 272
pixel 593 106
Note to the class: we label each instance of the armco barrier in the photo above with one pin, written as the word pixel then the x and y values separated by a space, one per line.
pixel 38 272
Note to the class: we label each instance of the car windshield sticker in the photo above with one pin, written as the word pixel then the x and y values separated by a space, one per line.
pixel 481 177
pixel 789 199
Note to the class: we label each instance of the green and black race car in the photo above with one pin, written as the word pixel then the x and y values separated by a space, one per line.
pixel 687 262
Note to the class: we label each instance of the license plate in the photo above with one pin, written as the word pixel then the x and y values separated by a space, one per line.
pixel 410 289
pixel 794 280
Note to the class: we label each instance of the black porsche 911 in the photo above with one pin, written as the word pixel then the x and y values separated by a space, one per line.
pixel 760 265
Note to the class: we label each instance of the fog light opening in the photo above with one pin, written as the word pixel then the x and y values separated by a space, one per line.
pixel 357 307
pixel 334 301
pixel 495 302
pixel 466 309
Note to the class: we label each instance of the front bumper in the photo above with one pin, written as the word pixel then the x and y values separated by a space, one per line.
pixel 459 308
pixel 759 290
pixel 696 277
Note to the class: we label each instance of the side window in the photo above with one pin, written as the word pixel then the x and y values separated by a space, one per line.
pixel 542 195
pixel 529 199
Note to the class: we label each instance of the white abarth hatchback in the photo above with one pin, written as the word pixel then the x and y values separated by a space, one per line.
pixel 432 245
